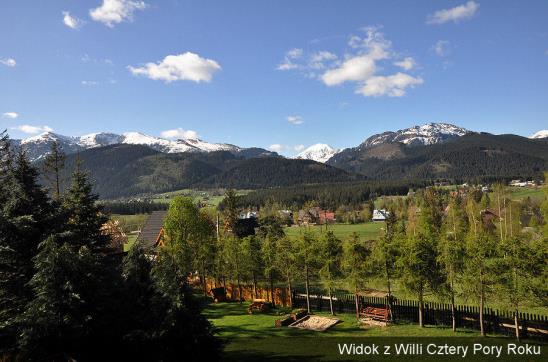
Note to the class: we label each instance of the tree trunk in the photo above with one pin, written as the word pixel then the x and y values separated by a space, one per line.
pixel 239 288
pixel 254 285
pixel 453 312
pixel 357 304
pixel 272 288
pixel 421 308
pixel 290 291
pixel 331 301
pixel 307 291
pixel 204 279
pixel 482 328
pixel 516 323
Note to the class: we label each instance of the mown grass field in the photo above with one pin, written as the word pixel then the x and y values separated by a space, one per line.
pixel 520 193
pixel 201 196
pixel 367 231
pixel 255 338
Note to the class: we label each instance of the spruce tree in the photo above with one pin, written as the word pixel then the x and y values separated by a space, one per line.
pixel 84 217
pixel 331 253
pixel 54 163
pixel 355 264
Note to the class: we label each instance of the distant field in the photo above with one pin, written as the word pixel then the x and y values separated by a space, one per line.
pixel 368 230
pixel 519 193
pixel 198 196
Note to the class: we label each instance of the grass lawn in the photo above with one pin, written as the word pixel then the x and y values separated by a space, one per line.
pixel 205 197
pixel 520 193
pixel 254 337
pixel 130 241
pixel 368 230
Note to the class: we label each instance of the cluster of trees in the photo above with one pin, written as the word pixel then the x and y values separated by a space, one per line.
pixel 449 245
pixel 328 195
pixel 64 293
pixel 132 207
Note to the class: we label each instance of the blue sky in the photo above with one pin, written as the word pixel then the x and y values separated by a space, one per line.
pixel 262 73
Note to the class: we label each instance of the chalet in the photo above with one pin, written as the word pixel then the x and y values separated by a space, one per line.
pixel 326 217
pixel 380 215
pixel 152 234
pixel 249 215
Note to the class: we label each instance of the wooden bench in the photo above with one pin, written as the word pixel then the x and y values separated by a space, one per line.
pixel 379 314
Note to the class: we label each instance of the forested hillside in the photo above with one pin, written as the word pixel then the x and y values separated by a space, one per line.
pixel 478 156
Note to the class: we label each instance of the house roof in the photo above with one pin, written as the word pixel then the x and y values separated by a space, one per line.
pixel 150 232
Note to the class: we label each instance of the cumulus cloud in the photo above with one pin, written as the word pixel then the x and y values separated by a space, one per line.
pixel 187 66
pixel 299 148
pixel 289 58
pixel 369 52
pixel 26 128
pixel 11 115
pixel 391 86
pixel 295 119
pixel 179 133
pixel 276 147
pixel 456 14
pixel 442 48
pixel 113 12
pixel 8 62
pixel 406 64
pixel 72 21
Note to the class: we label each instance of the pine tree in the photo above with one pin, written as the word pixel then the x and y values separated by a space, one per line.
pixel 84 215
pixel 451 250
pixel 25 220
pixel 331 253
pixel 54 163
pixel 355 264
pixel 286 262
pixel 252 255
pixel 307 257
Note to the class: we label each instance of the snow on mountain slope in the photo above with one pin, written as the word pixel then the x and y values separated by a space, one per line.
pixel 540 134
pixel 426 134
pixel 319 152
pixel 99 139
pixel 39 146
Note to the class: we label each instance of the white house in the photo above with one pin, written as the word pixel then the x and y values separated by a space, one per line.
pixel 380 215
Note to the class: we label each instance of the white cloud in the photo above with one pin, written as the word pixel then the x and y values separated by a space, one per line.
pixel 406 64
pixel 369 52
pixel 276 147
pixel 391 86
pixel 442 48
pixel 25 128
pixel 179 133
pixel 187 66
pixel 72 21
pixel 355 69
pixel 8 62
pixel 11 115
pixel 112 12
pixel 299 148
pixel 89 82
pixel 456 14
pixel 290 56
pixel 295 119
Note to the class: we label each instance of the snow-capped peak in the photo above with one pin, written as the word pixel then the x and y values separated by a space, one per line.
pixel 46 137
pixel 99 139
pixel 425 134
pixel 320 152
pixel 540 134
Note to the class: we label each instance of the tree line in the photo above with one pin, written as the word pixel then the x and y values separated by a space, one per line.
pixel 66 294
pixel 480 247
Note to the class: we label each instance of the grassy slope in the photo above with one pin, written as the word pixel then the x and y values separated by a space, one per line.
pixel 366 231
pixel 254 337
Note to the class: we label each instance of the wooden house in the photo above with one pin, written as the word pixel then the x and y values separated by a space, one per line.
pixel 152 234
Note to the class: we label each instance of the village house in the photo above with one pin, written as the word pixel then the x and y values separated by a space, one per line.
pixel 380 215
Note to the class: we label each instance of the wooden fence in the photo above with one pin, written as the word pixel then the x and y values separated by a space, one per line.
pixel 495 321
pixel 281 295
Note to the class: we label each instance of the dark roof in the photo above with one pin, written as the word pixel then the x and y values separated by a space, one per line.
pixel 151 230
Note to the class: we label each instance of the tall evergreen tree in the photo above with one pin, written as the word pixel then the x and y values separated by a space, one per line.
pixel 355 263
pixel 54 163
pixel 331 253
pixel 83 213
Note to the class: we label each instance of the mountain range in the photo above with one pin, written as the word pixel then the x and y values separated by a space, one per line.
pixel 427 134
pixel 136 164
